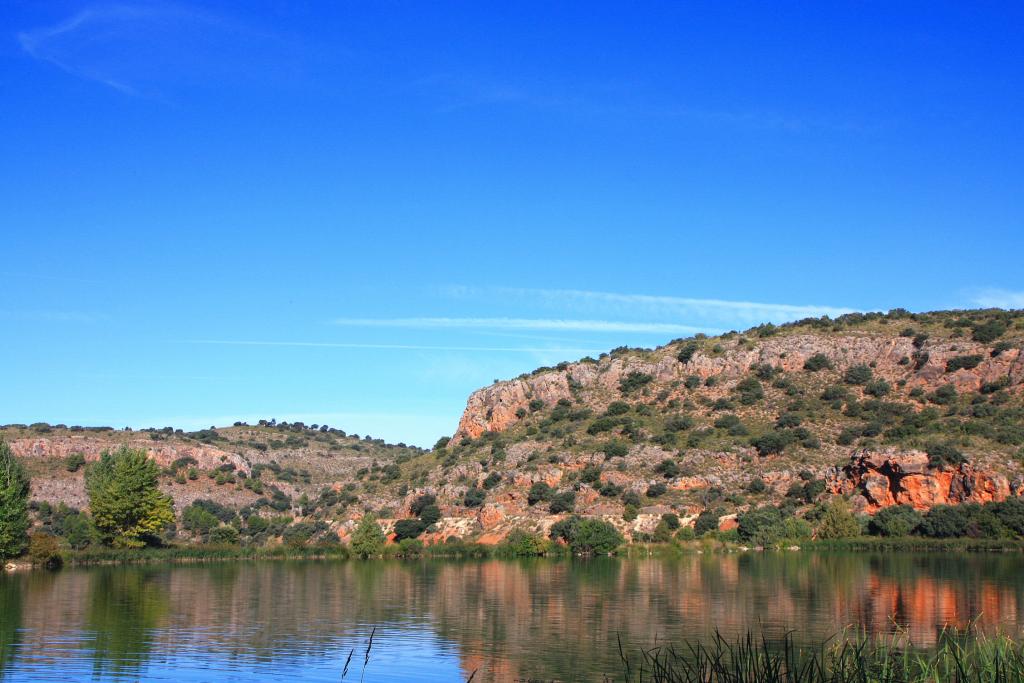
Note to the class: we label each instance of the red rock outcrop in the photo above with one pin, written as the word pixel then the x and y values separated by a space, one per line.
pixel 878 479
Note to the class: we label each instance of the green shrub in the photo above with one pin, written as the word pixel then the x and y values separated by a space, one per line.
pixel 858 374
pixel 655 490
pixel 988 332
pixel 707 521
pixel 539 491
pixel 757 485
pixel 408 528
pixel 520 543
pixel 834 393
pixel 877 388
pixel 615 449
pixel 678 423
pixel 634 381
pixel 772 442
pixel 430 515
pixel 944 454
pixel 587 536
pixel 750 391
pixel 74 462
pixel 837 521
pixel 198 520
pixel 944 395
pixel 562 502
pixel 617 408
pixel 896 520
pixel 818 361
pixel 474 497
pixel 965 362
pixel 686 353
pixel 668 468
pixel 224 535
pixel 367 539
pixel 944 521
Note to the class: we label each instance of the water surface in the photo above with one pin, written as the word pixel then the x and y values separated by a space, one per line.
pixel 441 621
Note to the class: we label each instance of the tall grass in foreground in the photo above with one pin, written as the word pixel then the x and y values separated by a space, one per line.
pixel 846 659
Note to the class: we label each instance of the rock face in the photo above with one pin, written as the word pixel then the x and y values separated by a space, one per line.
pixel 497 407
pixel 878 479
pixel 206 457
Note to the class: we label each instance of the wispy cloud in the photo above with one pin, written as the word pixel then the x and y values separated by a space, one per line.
pixel 999 298
pixel 522 324
pixel 395 347
pixel 615 99
pixel 54 316
pixel 690 313
pixel 137 48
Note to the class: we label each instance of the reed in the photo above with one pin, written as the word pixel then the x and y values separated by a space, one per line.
pixel 958 658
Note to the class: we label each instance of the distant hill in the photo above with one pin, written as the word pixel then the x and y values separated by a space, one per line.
pixel 890 408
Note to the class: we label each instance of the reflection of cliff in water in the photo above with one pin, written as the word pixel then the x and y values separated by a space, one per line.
pixel 509 619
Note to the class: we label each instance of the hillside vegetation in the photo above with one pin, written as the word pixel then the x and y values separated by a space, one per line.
pixel 769 426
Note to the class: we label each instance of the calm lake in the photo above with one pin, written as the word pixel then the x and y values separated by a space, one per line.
pixel 440 621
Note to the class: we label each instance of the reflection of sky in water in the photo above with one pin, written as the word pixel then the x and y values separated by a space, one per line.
pixel 556 619
pixel 405 655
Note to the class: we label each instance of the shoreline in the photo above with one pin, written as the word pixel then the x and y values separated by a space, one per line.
pixel 468 551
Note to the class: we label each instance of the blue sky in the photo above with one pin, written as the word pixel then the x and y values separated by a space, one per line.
pixel 356 213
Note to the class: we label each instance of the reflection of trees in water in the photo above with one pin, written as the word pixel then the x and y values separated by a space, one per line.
pixel 11 588
pixel 126 605
pixel 525 618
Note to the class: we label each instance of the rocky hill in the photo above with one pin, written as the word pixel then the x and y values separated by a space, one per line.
pixel 883 409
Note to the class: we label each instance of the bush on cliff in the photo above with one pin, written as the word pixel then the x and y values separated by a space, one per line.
pixel 818 361
pixel 408 528
pixel 988 332
pixel 562 502
pixel 539 491
pixel 858 374
pixel 963 362
pixel 634 381
pixel 474 497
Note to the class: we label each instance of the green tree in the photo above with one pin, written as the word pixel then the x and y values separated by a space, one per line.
pixel 707 521
pixel 587 536
pixel 128 509
pixel 368 538
pixel 13 504
pixel 837 521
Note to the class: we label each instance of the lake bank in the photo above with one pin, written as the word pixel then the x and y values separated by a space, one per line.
pixel 187 554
